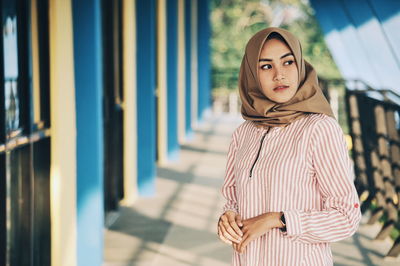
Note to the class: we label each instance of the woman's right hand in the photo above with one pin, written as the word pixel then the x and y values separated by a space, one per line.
pixel 228 227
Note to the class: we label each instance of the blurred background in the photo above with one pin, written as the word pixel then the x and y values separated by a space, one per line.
pixel 233 23
pixel 116 116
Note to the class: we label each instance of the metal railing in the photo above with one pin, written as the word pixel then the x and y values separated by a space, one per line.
pixel 373 123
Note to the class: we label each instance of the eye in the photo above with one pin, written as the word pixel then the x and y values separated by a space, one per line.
pixel 289 62
pixel 267 66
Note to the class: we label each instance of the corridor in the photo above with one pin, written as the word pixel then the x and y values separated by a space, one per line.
pixel 178 226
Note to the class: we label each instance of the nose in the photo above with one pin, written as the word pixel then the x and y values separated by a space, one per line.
pixel 278 75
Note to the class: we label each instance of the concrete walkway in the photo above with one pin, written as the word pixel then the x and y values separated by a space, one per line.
pixel 178 225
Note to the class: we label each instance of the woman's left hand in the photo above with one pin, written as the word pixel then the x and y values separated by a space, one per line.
pixel 256 227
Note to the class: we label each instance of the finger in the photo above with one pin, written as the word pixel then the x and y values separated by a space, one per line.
pixel 244 243
pixel 235 247
pixel 236 228
pixel 245 222
pixel 241 243
pixel 226 241
pixel 224 218
pixel 228 222
pixel 238 219
pixel 223 238
pixel 226 234
pixel 227 226
pixel 232 232
pixel 244 229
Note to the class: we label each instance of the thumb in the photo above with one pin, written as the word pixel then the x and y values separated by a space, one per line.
pixel 238 219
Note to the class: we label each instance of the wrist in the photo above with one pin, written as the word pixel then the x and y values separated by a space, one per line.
pixel 274 219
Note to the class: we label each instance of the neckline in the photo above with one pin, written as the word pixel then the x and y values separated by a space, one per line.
pixel 276 128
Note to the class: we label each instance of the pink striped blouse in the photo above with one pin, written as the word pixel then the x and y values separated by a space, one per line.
pixel 305 171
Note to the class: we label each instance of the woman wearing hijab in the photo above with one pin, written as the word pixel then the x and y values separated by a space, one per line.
pixel 289 178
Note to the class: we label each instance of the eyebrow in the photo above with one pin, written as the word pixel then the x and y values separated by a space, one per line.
pixel 270 60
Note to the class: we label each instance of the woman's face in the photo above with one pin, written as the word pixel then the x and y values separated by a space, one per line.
pixel 277 71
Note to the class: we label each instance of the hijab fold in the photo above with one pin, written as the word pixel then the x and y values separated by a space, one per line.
pixel 264 112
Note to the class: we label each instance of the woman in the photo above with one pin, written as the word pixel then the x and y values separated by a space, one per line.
pixel 289 179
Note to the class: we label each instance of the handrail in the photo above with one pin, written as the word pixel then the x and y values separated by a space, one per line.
pixel 24 140
pixel 367 88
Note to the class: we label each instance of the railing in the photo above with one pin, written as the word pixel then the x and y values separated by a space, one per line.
pixel 373 123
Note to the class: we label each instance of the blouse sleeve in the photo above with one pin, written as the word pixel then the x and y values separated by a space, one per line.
pixel 229 185
pixel 340 214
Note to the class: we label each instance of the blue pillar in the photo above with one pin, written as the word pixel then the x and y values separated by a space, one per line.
pixel 146 99
pixel 188 68
pixel 89 120
pixel 204 67
pixel 172 79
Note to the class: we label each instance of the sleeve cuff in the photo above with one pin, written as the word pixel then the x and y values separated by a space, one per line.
pixel 229 208
pixel 293 223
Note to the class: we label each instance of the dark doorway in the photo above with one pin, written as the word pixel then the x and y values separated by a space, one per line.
pixel 113 106
pixel 24 134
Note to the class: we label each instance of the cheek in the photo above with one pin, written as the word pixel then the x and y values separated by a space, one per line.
pixel 265 80
pixel 294 77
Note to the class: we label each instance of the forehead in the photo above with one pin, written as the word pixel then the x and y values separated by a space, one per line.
pixel 274 47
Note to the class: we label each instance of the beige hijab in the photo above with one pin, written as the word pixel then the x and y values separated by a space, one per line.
pixel 257 107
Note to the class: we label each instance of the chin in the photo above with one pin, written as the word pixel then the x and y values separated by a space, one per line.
pixel 280 100
pixel 286 99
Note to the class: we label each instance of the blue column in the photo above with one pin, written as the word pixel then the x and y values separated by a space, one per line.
pixel 204 66
pixel 172 79
pixel 89 119
pixel 188 68
pixel 146 99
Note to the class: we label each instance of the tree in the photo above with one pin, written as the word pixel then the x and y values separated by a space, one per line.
pixel 235 21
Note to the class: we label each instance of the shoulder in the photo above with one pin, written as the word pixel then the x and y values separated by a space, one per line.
pixel 244 128
pixel 324 127
pixel 315 122
pixel 323 119
pixel 323 122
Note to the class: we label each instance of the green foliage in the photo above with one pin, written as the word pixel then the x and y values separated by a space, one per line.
pixel 235 21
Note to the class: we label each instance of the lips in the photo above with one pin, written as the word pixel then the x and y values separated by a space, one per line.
pixel 281 88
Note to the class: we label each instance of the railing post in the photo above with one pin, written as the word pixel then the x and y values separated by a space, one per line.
pixel 391 210
pixel 360 168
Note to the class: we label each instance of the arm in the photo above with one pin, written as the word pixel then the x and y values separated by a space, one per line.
pixel 229 185
pixel 230 220
pixel 340 214
pixel 257 226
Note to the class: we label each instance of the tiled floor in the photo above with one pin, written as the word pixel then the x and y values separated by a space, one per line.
pixel 178 225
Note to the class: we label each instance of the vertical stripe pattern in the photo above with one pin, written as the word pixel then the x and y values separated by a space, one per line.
pixel 303 170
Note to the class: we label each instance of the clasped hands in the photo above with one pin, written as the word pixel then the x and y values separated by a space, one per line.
pixel 239 233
